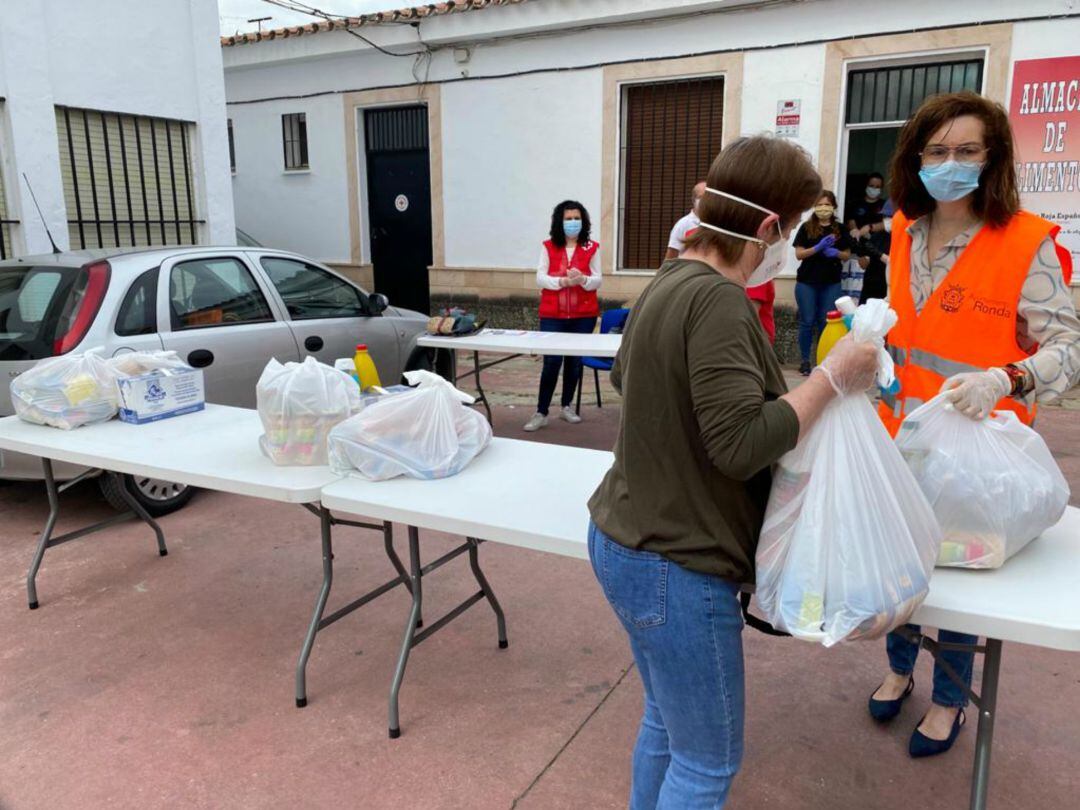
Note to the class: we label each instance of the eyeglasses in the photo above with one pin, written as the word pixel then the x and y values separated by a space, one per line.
pixel 965 153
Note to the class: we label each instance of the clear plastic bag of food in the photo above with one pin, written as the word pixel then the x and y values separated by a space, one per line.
pixel 67 391
pixel 134 364
pixel 299 403
pixel 993 484
pixel 849 539
pixel 427 432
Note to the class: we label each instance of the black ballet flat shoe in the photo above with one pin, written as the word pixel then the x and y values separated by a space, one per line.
pixel 922 746
pixel 885 710
pixel 804 368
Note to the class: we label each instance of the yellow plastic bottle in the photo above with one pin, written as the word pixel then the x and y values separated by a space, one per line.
pixel 834 330
pixel 366 372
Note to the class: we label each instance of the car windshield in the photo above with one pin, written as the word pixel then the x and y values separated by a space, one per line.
pixel 36 307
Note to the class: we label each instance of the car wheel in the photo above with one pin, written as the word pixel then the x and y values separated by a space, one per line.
pixel 157 497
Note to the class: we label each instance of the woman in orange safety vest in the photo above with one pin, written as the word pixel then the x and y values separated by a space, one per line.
pixel 981 288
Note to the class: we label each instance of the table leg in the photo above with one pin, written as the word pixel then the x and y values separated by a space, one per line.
pixel 388 544
pixel 480 388
pixel 980 785
pixel 48 540
pixel 46 534
pixel 320 606
pixel 138 509
pixel 416 575
pixel 474 564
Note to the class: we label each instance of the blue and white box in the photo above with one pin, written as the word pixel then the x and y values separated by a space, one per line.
pixel 161 394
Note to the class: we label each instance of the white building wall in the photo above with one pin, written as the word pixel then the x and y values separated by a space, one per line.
pixel 504 163
pixel 512 150
pixel 780 74
pixel 306 210
pixel 156 57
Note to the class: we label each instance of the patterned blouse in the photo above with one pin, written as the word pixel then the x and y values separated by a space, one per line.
pixel 1045 315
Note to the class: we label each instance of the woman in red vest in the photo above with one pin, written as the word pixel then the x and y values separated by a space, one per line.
pixel 981 288
pixel 568 277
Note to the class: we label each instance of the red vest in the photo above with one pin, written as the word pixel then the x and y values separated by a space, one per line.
pixel 969 322
pixel 569 302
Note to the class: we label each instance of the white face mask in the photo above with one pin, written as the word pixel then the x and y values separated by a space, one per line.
pixel 775 256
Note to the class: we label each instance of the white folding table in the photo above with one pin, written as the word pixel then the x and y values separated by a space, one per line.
pixel 499 497
pixel 514 343
pixel 1034 599
pixel 218 449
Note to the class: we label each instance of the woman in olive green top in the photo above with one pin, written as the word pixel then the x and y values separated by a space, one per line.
pixel 705 414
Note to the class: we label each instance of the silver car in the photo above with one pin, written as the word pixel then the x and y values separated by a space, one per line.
pixel 225 310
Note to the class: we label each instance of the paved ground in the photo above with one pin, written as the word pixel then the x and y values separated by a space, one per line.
pixel 149 682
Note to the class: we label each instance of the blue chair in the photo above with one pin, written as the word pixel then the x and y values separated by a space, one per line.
pixel 610 321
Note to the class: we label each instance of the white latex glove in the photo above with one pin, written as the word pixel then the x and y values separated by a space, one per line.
pixel 975 394
pixel 851 366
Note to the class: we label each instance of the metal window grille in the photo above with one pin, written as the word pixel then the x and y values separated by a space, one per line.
pixel 895 93
pixel 294 140
pixel 396 129
pixel 232 148
pixel 127 179
pixel 670 135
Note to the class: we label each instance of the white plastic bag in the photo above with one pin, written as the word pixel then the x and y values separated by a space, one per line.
pixel 849 540
pixel 134 364
pixel 993 484
pixel 67 391
pixel 298 404
pixel 423 433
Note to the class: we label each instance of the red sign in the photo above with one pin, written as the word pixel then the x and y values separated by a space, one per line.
pixel 1045 115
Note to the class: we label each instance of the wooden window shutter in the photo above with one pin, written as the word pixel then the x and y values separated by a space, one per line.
pixel 671 133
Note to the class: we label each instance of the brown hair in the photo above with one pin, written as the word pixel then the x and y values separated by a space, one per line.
pixel 814 228
pixel 767 171
pixel 996 199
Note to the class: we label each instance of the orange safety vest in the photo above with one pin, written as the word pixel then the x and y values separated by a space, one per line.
pixel 969 322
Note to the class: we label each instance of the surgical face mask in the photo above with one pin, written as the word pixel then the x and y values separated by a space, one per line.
pixel 775 257
pixel 824 211
pixel 872 193
pixel 571 227
pixel 950 181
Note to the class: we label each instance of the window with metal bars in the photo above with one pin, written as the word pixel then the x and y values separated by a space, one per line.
pixel 232 149
pixel 671 132
pixel 294 140
pixel 127 179
pixel 893 94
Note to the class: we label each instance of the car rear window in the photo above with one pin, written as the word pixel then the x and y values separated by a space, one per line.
pixel 37 307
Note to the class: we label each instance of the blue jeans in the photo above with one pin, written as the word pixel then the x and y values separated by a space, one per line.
pixel 902 655
pixel 549 376
pixel 814 301
pixel 685 631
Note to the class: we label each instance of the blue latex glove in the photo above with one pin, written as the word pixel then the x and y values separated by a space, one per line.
pixel 825 243
pixel 831 252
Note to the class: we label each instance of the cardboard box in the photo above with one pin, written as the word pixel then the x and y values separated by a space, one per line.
pixel 161 394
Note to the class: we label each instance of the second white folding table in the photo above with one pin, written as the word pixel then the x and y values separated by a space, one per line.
pixel 514 343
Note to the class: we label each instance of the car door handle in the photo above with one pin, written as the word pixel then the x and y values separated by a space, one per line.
pixel 313 343
pixel 200 358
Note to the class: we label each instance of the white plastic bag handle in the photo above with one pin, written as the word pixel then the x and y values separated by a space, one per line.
pixel 870 324
pixel 427 379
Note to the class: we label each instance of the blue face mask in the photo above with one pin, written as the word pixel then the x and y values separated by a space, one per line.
pixel 571 227
pixel 950 180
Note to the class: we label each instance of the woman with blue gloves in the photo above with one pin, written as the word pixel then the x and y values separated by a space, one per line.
pixel 822 246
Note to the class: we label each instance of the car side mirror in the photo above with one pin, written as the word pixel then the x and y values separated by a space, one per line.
pixel 377 303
